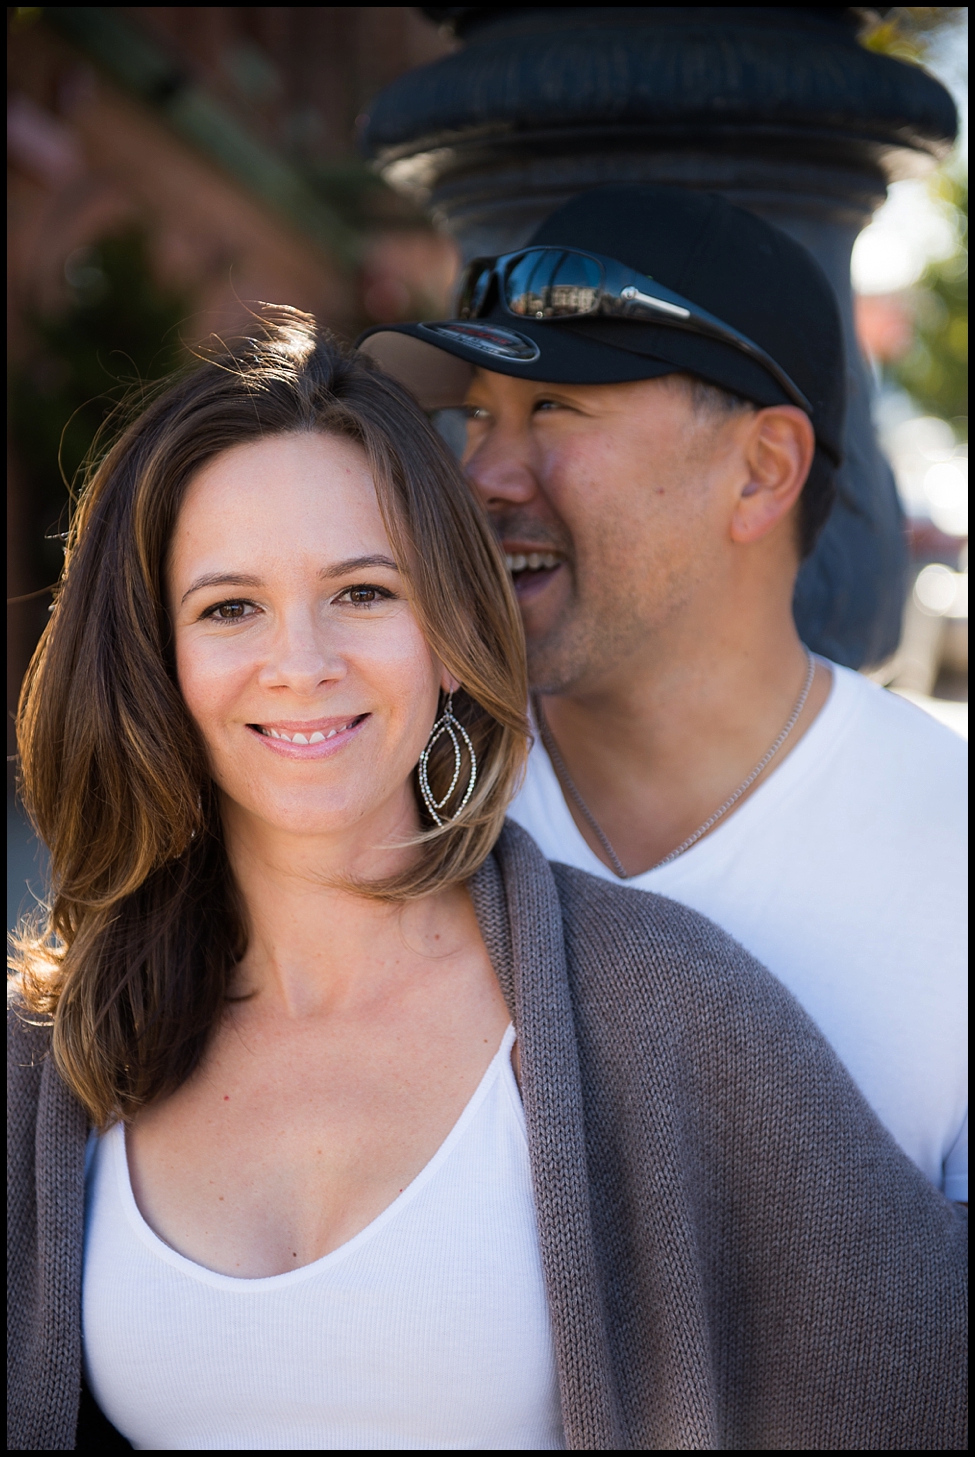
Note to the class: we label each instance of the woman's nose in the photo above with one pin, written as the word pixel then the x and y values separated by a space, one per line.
pixel 303 657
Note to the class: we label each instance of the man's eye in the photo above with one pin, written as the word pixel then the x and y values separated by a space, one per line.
pixel 476 412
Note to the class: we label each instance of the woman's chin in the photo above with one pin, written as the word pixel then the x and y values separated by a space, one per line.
pixel 342 820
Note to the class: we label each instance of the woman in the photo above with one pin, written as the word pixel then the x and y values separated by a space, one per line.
pixel 397 1138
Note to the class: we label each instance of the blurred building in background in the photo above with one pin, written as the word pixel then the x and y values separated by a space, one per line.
pixel 166 167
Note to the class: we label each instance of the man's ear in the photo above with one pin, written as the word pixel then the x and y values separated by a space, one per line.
pixel 778 445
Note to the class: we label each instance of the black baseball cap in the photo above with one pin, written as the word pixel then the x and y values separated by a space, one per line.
pixel 741 269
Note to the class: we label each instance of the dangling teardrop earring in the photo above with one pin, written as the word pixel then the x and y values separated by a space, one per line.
pixel 449 725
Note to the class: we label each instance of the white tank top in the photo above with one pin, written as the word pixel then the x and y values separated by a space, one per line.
pixel 428 1330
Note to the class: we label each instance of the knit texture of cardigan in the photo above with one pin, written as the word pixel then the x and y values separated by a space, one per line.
pixel 737 1254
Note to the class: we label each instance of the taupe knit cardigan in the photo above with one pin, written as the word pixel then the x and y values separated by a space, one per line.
pixel 737 1254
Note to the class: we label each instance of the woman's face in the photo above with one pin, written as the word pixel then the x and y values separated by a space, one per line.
pixel 297 649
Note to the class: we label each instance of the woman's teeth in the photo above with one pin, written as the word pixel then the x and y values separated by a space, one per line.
pixel 535 561
pixel 316 738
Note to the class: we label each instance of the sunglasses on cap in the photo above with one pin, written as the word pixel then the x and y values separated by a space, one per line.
pixel 565 283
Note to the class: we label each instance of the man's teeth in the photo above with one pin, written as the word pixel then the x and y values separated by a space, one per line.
pixel 535 561
pixel 316 738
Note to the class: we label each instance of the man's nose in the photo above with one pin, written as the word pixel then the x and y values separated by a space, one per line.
pixel 500 470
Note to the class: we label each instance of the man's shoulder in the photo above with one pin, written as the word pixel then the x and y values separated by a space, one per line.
pixel 613 926
pixel 642 945
pixel 657 985
pixel 651 918
pixel 891 779
pixel 893 726
pixel 632 914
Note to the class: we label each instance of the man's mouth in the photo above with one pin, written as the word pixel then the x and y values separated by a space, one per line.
pixel 531 570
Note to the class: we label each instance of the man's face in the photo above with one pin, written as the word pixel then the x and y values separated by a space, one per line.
pixel 611 502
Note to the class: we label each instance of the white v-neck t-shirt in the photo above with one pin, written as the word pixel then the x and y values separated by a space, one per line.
pixel 844 873
pixel 429 1330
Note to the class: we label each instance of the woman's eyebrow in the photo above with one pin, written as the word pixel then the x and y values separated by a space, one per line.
pixel 221 579
pixel 355 564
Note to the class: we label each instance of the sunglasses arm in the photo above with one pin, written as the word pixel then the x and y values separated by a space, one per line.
pixel 665 312
pixel 659 305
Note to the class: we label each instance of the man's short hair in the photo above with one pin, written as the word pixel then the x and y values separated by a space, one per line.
pixel 819 490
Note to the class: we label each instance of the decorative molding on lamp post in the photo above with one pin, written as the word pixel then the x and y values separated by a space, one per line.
pixel 778 108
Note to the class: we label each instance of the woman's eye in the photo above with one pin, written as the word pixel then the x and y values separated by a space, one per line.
pixel 363 596
pixel 228 611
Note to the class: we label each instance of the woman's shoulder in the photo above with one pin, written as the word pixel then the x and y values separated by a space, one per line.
pixel 47 1128
pixel 28 1050
pixel 28 1035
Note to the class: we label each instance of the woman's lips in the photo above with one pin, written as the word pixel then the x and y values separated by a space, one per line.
pixel 314 739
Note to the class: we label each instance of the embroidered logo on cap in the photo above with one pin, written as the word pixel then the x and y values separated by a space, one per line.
pixel 502 343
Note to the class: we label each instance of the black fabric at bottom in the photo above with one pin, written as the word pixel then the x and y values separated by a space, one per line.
pixel 95 1432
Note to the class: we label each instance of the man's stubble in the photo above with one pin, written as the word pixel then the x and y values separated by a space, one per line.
pixel 622 592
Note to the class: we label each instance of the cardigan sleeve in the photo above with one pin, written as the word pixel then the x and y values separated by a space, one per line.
pixel 767 1251
pixel 47 1130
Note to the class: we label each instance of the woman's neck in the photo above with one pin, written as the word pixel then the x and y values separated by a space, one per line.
pixel 315 945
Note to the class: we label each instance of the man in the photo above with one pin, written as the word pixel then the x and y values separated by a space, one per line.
pixel 655 397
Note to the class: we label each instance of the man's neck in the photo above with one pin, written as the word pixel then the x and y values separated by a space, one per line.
pixel 658 745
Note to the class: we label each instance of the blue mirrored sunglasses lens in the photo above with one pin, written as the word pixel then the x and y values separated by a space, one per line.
pixel 575 287
pixel 474 293
pixel 481 285
pixel 548 283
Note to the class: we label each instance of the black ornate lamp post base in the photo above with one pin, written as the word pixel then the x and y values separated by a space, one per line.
pixel 779 108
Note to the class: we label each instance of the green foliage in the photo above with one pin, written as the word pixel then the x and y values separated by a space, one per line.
pixel 118 328
pixel 359 196
pixel 935 372
pixel 905 31
pixel 349 186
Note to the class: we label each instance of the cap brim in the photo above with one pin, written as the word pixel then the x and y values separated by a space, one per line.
pixel 436 361
pixel 437 377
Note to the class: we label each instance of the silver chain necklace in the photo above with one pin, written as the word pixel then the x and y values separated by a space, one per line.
pixel 587 814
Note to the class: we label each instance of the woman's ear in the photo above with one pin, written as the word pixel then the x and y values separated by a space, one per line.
pixel 778 449
pixel 448 683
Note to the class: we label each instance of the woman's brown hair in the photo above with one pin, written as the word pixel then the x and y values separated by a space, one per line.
pixel 144 926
